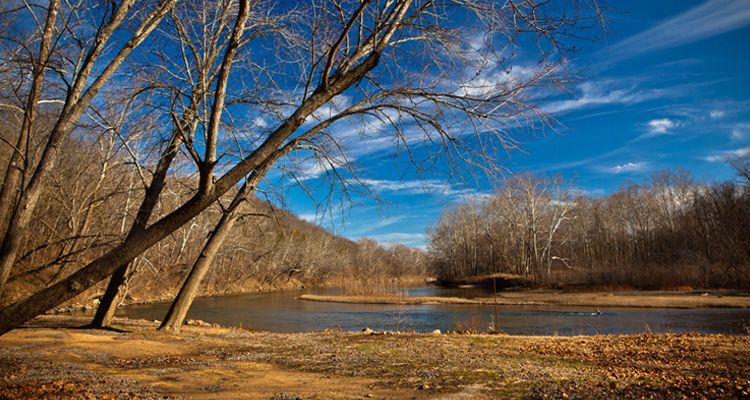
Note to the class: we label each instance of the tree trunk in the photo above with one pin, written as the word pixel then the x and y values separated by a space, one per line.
pixel 104 266
pixel 178 310
pixel 79 97
pixel 99 269
pixel 118 283
pixel 12 184
pixel 117 287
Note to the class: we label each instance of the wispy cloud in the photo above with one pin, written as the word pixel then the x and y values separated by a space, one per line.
pixel 418 240
pixel 660 126
pixel 365 226
pixel 576 191
pixel 313 168
pixel 424 186
pixel 708 19
pixel 727 155
pixel 717 114
pixel 604 92
pixel 260 122
pixel 491 81
pixel 740 131
pixel 309 217
pixel 627 167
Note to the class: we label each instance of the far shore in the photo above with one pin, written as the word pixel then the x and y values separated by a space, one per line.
pixel 661 299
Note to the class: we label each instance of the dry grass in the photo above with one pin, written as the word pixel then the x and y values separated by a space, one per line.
pixel 232 363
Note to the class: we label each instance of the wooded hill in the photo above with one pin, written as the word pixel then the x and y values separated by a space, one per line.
pixel 89 204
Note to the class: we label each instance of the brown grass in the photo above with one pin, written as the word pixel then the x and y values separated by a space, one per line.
pixel 43 361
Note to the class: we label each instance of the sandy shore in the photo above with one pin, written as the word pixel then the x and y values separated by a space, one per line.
pixel 52 359
pixel 715 299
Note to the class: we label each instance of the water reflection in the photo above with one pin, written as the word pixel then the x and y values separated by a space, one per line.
pixel 282 312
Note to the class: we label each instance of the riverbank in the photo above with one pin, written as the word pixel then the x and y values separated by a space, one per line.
pixel 90 301
pixel 662 299
pixel 50 358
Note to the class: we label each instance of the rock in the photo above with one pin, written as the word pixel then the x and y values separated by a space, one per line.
pixel 156 321
pixel 368 331
pixel 285 396
pixel 436 332
pixel 197 322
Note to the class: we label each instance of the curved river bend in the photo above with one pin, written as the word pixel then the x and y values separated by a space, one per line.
pixel 283 312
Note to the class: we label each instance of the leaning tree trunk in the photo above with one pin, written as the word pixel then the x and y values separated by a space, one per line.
pixel 18 162
pixel 22 311
pixel 118 283
pixel 178 310
pixel 79 96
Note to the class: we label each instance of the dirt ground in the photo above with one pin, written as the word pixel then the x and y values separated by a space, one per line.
pixel 51 358
pixel 663 299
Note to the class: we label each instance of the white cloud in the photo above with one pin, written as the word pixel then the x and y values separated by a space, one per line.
pixel 418 240
pixel 717 114
pixel 309 217
pixel 597 93
pixel 364 226
pixel 426 186
pixel 260 122
pixel 708 19
pixel 328 110
pixel 313 168
pixel 740 131
pixel 728 155
pixel 490 83
pixel 576 192
pixel 627 167
pixel 659 126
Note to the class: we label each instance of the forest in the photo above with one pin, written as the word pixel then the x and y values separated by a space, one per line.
pixel 669 232
pixel 89 202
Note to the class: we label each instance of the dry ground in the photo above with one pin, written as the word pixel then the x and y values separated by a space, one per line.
pixel 664 299
pixel 50 359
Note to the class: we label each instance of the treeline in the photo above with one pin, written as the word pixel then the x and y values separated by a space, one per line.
pixel 667 233
pixel 90 201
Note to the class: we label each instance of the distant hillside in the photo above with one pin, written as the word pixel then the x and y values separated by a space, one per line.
pixel 269 248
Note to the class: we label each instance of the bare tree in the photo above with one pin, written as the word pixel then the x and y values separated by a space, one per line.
pixel 661 234
pixel 79 95
pixel 363 48
pixel 200 52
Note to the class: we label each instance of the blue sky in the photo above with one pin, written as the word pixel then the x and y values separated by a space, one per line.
pixel 667 88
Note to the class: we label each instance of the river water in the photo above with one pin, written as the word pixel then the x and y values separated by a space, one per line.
pixel 283 312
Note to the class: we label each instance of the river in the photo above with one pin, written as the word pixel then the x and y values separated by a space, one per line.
pixel 283 312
